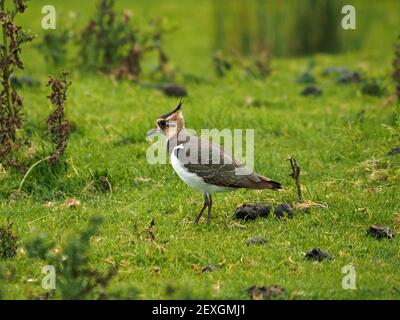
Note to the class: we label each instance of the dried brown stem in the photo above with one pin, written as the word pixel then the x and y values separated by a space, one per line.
pixel 57 124
pixel 296 176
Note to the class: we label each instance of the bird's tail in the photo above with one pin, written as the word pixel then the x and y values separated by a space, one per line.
pixel 266 183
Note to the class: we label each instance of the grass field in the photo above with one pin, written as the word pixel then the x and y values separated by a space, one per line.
pixel 341 140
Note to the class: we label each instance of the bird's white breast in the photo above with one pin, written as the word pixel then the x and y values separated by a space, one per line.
pixel 191 179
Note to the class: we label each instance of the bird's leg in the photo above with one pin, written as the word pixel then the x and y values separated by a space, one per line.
pixel 209 208
pixel 206 204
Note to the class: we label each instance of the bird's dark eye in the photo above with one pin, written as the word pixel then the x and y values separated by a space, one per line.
pixel 162 123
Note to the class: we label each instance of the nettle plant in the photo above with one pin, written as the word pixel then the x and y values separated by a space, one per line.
pixel 10 101
pixel 105 37
pixel 109 43
pixel 113 44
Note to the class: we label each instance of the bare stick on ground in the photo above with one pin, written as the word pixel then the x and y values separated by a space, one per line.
pixel 296 176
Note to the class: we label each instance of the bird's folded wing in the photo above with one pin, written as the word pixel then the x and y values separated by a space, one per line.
pixel 213 164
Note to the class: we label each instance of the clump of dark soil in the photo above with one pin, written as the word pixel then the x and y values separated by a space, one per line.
pixel 252 211
pixel 283 210
pixel 318 255
pixel 380 232
pixel 208 268
pixel 256 241
pixel 265 292
pixel 311 91
pixel 349 77
pixel 343 75
pixel 394 151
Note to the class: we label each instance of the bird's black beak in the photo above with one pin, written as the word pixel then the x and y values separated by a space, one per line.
pixel 153 132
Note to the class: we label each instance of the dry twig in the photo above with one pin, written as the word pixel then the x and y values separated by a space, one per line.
pixel 296 176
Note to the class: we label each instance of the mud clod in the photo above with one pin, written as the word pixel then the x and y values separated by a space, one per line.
pixel 208 268
pixel 318 254
pixel 252 211
pixel 283 210
pixel 349 77
pixel 311 91
pixel 265 293
pixel 380 232
pixel 394 151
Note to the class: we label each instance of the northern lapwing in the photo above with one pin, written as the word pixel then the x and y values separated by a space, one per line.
pixel 205 166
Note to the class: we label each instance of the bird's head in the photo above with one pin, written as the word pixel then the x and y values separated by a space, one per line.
pixel 170 123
